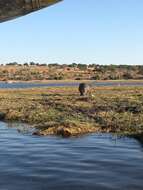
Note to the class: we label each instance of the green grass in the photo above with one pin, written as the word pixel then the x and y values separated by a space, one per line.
pixel 61 110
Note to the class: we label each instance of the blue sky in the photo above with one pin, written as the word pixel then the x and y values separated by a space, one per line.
pixel 82 31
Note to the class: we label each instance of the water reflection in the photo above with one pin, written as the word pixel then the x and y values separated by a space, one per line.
pixel 20 127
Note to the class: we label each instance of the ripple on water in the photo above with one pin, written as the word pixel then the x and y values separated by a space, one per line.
pixel 90 162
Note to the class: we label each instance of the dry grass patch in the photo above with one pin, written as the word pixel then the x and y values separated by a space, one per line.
pixel 56 110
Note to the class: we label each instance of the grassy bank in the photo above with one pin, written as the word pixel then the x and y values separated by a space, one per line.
pixel 36 71
pixel 62 111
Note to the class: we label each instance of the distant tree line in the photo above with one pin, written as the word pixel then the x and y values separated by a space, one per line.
pixel 76 71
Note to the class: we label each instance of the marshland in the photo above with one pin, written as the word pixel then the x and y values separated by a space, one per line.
pixel 51 135
pixel 62 111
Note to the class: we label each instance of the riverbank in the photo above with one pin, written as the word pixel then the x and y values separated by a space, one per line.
pixel 36 71
pixel 61 111
pixel 73 81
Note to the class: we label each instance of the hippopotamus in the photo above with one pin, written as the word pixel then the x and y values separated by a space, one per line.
pixel 83 89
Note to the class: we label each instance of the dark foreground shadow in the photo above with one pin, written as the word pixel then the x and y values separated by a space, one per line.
pixel 138 137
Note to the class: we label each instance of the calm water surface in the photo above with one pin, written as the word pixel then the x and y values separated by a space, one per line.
pixel 64 84
pixel 90 162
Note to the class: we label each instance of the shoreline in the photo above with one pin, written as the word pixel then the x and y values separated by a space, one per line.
pixel 72 81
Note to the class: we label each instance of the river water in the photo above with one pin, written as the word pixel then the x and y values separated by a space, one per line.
pixel 65 84
pixel 97 161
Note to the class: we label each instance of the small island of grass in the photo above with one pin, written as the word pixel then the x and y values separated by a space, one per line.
pixel 61 111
